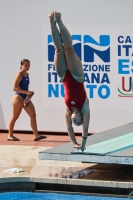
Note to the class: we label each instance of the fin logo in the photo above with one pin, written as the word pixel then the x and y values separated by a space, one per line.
pixel 76 45
pixel 51 49
pixel 92 47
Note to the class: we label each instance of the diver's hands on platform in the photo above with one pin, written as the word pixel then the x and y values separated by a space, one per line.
pixel 79 147
pixel 76 145
pixel 82 146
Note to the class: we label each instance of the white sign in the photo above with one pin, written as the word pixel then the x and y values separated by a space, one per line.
pixel 106 55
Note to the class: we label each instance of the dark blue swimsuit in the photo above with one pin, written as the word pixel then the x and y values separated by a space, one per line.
pixel 24 85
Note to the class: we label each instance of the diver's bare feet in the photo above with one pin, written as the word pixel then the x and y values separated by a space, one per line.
pixel 51 18
pixel 57 17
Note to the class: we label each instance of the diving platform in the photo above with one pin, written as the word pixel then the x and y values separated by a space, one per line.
pixel 114 146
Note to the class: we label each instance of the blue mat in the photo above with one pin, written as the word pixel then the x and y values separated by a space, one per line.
pixel 109 146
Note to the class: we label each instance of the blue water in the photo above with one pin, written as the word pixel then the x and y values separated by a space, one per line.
pixel 52 196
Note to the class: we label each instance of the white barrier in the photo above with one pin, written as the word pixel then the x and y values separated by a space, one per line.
pixel 107 77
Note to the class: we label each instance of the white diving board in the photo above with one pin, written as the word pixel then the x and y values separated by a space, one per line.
pixel 110 146
pixel 114 146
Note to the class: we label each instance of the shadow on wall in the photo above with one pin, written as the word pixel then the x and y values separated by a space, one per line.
pixel 2 120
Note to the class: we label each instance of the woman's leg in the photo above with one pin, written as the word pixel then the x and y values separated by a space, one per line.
pixel 73 62
pixel 30 109
pixel 59 58
pixel 17 105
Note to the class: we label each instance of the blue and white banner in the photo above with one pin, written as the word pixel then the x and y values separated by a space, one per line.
pixel 106 55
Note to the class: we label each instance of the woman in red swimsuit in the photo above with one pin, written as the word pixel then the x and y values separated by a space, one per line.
pixel 70 70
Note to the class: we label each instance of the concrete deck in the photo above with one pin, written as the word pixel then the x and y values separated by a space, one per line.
pixel 66 152
pixel 93 177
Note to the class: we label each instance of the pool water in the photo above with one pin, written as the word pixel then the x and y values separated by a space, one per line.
pixel 52 196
